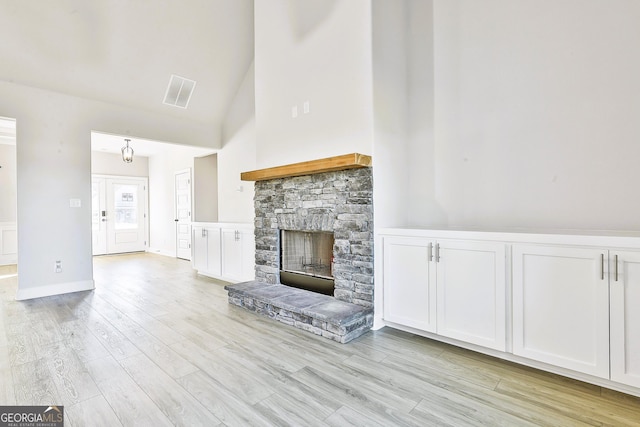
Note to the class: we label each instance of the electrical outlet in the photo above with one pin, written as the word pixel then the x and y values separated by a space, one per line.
pixel 58 267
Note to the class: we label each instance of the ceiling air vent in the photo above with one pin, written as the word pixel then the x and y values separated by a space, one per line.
pixel 179 91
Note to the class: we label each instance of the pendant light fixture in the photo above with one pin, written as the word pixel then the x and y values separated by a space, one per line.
pixel 127 152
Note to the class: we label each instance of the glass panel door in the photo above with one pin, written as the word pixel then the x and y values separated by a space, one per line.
pixel 125 206
pixel 118 215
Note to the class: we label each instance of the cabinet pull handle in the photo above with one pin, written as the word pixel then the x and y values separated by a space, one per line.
pixel 204 233
pixel 601 266
pixel 430 252
pixel 616 261
pixel 437 252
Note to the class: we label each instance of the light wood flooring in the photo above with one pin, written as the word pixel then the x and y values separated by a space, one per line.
pixel 156 345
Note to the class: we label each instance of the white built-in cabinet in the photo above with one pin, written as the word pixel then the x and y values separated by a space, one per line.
pixel 561 307
pixel 207 252
pixel 224 251
pixel 624 291
pixel 576 308
pixel 471 292
pixel 238 248
pixel 409 288
pixel 565 303
pixel 453 288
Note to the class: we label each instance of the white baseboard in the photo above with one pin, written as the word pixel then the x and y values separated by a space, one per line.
pixel 161 252
pixel 57 289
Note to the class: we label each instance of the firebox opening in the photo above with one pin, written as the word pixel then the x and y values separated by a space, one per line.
pixel 306 260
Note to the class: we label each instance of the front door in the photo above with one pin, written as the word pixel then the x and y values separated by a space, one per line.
pixel 183 214
pixel 99 216
pixel 119 215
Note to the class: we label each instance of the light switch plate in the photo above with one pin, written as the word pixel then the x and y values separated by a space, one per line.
pixel 75 203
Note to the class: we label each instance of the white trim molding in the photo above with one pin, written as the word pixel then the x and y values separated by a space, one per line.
pixel 56 289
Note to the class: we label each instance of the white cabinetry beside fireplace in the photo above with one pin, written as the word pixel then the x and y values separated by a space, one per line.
pixel 238 254
pixel 570 305
pixel 590 298
pixel 207 256
pixel 224 251
pixel 454 288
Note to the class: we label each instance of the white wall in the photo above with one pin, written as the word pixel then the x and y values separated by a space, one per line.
pixel 404 146
pixel 205 188
pixel 317 51
pixel 112 164
pixel 8 184
pixel 162 169
pixel 422 208
pixel 54 165
pixel 391 109
pixel 238 155
pixel 536 113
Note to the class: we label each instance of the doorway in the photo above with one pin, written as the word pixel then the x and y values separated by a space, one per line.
pixel 119 208
pixel 183 214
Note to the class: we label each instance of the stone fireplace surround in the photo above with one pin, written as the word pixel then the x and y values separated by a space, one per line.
pixel 339 201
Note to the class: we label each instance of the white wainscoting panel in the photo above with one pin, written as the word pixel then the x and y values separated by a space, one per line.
pixel 8 243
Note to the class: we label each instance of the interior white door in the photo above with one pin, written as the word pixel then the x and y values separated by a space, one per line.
pixel 119 215
pixel 99 216
pixel 183 214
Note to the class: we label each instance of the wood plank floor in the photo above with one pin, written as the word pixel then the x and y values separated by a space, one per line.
pixel 156 345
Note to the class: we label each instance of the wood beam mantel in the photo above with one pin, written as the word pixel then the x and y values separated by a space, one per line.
pixel 347 161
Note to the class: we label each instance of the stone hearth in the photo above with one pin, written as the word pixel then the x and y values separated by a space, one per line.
pixel 338 201
pixel 320 314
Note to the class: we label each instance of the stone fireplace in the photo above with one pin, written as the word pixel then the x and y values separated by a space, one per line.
pixel 306 260
pixel 329 197
pixel 339 202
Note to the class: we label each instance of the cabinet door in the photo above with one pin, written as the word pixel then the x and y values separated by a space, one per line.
pixel 409 290
pixel 625 317
pixel 199 256
pixel 214 259
pixel 471 289
pixel 231 255
pixel 561 307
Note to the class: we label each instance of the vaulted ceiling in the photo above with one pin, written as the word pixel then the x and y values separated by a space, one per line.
pixel 123 52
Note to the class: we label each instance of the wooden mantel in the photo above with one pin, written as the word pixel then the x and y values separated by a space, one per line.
pixel 347 161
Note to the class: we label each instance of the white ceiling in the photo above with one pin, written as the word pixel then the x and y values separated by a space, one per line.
pixel 124 52
pixel 141 147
